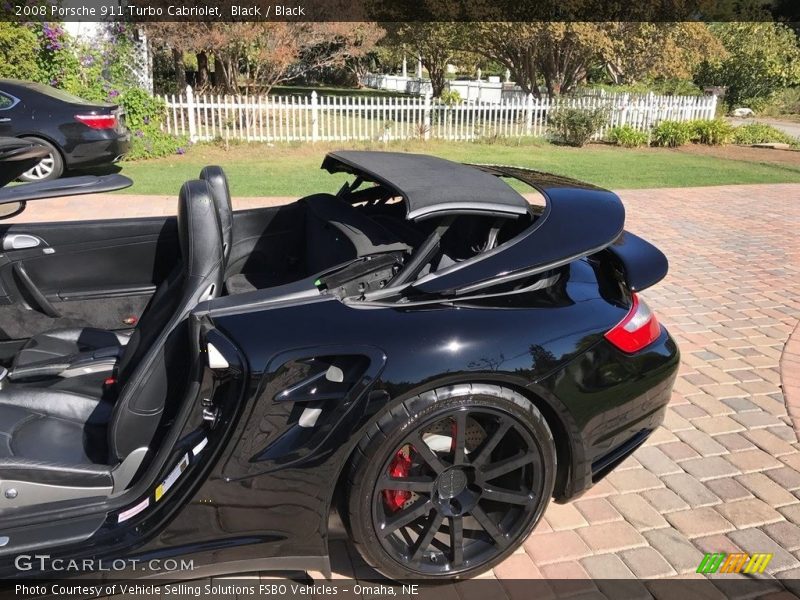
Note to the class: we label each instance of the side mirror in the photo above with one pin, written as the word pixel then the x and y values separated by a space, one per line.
pixel 11 209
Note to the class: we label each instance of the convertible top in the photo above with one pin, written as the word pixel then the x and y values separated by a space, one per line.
pixel 431 186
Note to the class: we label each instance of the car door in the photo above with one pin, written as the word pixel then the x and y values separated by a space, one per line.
pixel 86 273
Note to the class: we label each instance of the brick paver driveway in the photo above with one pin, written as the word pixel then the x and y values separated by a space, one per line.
pixel 723 474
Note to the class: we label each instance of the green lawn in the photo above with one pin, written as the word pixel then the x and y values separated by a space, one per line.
pixel 283 170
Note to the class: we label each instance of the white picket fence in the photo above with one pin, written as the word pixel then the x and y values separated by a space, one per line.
pixel 311 118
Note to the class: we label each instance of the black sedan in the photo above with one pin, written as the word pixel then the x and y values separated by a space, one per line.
pixel 77 133
pixel 424 351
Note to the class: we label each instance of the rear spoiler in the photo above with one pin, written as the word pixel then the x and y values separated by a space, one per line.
pixel 642 264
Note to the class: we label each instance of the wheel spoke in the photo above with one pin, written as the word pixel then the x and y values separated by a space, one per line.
pixel 488 525
pixel 428 455
pixel 460 441
pixel 407 484
pixel 496 469
pixel 457 540
pixel 505 496
pixel 430 530
pixel 485 451
pixel 407 515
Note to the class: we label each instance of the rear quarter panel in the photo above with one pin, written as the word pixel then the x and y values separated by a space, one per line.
pixel 255 491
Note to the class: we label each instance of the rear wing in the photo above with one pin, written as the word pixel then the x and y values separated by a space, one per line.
pixel 642 265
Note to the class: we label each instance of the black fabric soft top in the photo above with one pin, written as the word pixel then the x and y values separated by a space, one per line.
pixel 430 185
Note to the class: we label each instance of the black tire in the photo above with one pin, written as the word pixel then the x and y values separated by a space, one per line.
pixel 448 504
pixel 51 167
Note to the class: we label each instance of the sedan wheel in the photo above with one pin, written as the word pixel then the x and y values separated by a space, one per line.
pixel 50 167
pixel 457 483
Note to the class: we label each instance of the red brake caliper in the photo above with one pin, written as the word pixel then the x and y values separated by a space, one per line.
pixel 398 468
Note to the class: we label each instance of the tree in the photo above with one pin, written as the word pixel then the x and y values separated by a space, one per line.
pixel 435 43
pixel 264 54
pixel 555 54
pixel 19 48
pixel 646 51
pixel 559 56
pixel 761 59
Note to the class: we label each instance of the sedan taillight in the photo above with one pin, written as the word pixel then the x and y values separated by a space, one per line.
pixel 98 121
pixel 638 329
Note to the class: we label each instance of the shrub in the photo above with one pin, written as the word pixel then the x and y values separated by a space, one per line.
pixel 672 134
pixel 450 97
pixel 785 102
pixel 143 115
pixel 628 137
pixel 711 131
pixel 141 109
pixel 151 142
pixel 760 133
pixel 576 126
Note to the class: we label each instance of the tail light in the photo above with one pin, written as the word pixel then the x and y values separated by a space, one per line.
pixel 98 121
pixel 638 329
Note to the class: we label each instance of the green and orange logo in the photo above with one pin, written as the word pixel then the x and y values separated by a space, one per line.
pixel 737 562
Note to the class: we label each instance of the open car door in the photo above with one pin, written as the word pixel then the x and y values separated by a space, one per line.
pixel 73 273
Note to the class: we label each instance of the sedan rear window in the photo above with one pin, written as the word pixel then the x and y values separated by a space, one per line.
pixel 58 94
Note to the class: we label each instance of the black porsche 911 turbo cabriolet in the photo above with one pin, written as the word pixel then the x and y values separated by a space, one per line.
pixel 426 351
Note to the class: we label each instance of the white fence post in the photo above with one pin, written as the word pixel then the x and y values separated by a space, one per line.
pixel 314 117
pixel 426 115
pixel 528 113
pixel 191 115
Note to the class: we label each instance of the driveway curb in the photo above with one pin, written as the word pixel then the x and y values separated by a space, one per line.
pixel 790 376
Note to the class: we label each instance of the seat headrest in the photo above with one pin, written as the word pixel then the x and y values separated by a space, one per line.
pixel 198 229
pixel 221 194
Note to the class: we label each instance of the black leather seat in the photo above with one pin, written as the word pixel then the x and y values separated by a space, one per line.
pixel 336 232
pixel 58 347
pixel 51 352
pixel 218 182
pixel 56 444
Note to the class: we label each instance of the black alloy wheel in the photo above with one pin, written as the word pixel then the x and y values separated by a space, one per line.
pixel 458 481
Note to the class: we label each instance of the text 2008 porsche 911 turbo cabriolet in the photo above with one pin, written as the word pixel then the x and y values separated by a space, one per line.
pixel 425 351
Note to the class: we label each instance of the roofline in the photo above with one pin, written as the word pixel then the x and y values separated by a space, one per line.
pixel 334 160
pixel 480 208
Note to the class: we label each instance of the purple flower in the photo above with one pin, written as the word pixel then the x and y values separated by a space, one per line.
pixel 147 120
pixel 113 93
pixel 180 150
pixel 139 133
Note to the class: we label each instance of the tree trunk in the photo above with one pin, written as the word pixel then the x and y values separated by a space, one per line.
pixel 180 69
pixel 202 69
pixel 437 82
pixel 219 74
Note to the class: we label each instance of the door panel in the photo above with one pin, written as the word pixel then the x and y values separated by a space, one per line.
pixel 90 273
